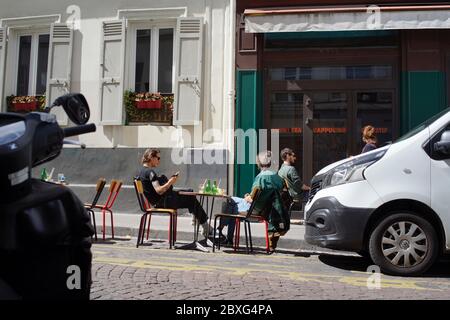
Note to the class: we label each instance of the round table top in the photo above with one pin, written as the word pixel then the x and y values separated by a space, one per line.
pixel 189 193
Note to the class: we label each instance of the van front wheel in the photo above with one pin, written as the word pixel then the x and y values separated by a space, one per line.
pixel 403 244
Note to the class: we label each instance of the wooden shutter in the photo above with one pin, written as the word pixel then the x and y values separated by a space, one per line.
pixel 112 72
pixel 59 67
pixel 2 67
pixel 188 66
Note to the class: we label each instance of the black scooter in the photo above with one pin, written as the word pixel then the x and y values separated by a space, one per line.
pixel 45 232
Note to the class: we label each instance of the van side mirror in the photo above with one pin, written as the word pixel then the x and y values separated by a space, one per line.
pixel 443 146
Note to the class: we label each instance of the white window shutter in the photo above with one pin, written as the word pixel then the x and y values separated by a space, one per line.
pixel 3 37
pixel 59 67
pixel 188 75
pixel 112 72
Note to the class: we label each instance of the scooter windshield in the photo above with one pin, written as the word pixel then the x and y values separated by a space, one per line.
pixel 11 132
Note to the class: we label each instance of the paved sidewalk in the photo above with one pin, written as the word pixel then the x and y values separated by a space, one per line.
pixel 127 225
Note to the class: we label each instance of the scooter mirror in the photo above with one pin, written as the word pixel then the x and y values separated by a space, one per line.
pixel 75 106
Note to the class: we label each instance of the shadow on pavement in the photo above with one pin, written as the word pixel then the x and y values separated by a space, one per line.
pixel 259 250
pixel 349 263
pixel 110 240
pixel 147 243
pixel 441 269
pixel 256 251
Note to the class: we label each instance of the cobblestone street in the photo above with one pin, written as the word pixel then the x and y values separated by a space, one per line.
pixel 121 271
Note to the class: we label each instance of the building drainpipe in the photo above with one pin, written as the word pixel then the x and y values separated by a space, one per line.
pixel 232 101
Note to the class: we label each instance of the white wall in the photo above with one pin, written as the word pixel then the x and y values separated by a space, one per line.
pixel 218 38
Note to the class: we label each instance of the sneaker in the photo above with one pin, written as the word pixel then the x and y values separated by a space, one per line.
pixel 205 228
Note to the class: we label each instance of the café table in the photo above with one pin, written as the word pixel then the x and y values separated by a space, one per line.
pixel 197 245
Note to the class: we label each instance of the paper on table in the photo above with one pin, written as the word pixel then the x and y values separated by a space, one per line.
pixel 49 178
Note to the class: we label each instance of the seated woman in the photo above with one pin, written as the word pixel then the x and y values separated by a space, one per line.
pixel 159 190
pixel 268 204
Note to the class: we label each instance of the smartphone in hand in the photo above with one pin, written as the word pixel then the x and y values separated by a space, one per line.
pixel 176 174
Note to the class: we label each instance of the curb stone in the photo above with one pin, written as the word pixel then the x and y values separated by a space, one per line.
pixel 126 233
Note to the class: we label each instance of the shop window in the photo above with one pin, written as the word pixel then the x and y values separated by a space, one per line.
pixel 364 72
pixel 285 109
pixel 279 41
pixel 375 108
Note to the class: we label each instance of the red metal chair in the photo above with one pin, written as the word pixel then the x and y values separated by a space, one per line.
pixel 147 210
pixel 245 217
pixel 263 219
pixel 253 218
pixel 101 182
pixel 114 189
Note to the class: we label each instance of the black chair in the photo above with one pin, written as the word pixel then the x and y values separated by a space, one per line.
pixel 241 217
pixel 101 182
pixel 296 203
pixel 299 203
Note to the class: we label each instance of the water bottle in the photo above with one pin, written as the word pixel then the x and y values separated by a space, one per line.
pixel 44 175
pixel 61 178
pixel 208 186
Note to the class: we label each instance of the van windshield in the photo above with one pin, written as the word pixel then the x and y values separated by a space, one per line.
pixel 422 126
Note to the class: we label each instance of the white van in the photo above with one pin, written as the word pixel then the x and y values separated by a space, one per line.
pixel 392 204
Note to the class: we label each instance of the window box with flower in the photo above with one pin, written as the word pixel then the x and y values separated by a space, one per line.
pixel 148 101
pixel 148 108
pixel 25 104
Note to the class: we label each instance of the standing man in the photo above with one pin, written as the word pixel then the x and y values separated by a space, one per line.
pixel 289 174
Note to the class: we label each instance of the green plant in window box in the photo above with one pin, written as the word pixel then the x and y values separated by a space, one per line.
pixel 25 104
pixel 141 107
pixel 168 103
